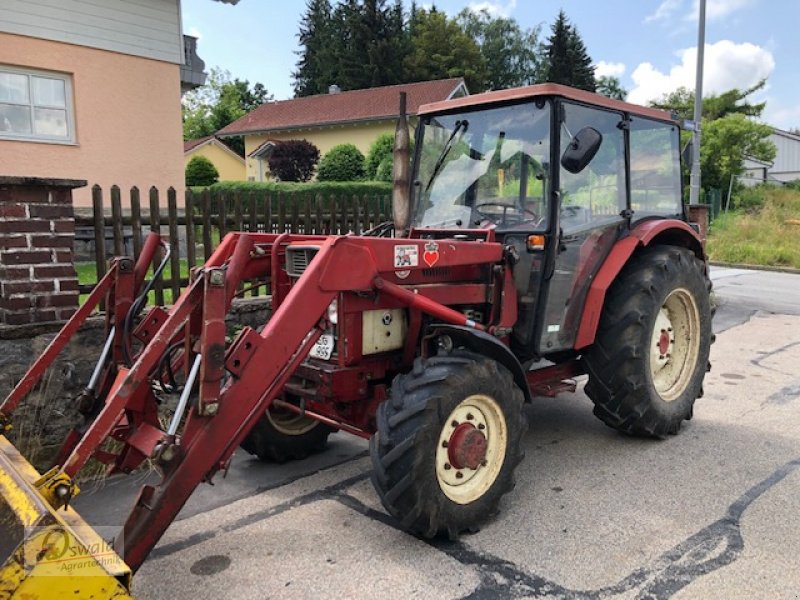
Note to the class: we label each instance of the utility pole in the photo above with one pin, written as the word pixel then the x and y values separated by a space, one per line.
pixel 694 186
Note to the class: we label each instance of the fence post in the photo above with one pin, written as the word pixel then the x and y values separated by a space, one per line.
pixel 116 221
pixel 191 257
pixel 99 232
pixel 136 221
pixel 175 256
pixel 206 224
pixel 155 226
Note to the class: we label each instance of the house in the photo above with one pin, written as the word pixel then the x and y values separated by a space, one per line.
pixel 326 120
pixel 785 167
pixel 230 165
pixel 91 90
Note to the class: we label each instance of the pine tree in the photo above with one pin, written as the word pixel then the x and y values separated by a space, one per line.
pixel 568 62
pixel 315 68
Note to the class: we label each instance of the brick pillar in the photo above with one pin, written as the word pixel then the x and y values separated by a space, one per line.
pixel 698 213
pixel 37 230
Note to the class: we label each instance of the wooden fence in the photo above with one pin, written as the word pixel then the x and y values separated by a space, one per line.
pixel 196 225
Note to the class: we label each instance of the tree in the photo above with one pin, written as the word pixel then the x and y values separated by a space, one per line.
pixel 440 49
pixel 218 103
pixel 611 86
pixel 567 61
pixel 715 106
pixel 726 143
pixel 201 171
pixel 358 44
pixel 293 160
pixel 344 162
pixel 512 55
pixel 315 68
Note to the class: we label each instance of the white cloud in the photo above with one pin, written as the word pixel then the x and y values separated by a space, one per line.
pixel 727 65
pixel 609 69
pixel 782 117
pixel 718 9
pixel 690 9
pixel 495 9
pixel 664 11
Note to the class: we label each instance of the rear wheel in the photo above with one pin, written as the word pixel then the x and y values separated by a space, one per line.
pixel 648 361
pixel 447 443
pixel 282 435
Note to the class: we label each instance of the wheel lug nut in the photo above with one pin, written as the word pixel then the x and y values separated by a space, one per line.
pixel 484 463
pixel 444 444
pixel 447 466
pixel 459 475
pixel 453 423
pixel 660 357
pixel 469 417
pixel 481 426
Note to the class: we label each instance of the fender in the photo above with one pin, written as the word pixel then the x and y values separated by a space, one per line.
pixel 483 343
pixel 647 233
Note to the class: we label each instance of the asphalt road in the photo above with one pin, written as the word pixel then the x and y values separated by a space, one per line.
pixel 710 513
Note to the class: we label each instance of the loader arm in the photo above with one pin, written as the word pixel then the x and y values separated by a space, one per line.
pixel 229 386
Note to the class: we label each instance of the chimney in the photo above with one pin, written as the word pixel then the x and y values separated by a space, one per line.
pixel 334 89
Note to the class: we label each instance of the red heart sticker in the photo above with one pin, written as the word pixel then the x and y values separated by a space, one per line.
pixel 431 254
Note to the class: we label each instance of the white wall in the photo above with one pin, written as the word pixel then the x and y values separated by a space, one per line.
pixel 148 28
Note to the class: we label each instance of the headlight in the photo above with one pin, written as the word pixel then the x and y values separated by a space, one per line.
pixel 333 312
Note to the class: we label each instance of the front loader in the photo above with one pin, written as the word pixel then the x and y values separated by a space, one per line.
pixel 546 240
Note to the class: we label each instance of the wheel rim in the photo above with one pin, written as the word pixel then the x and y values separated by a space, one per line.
pixel 675 344
pixel 471 449
pixel 289 423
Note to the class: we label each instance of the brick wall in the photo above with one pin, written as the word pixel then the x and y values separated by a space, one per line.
pixel 38 282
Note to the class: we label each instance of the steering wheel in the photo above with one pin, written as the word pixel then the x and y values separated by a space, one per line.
pixel 517 212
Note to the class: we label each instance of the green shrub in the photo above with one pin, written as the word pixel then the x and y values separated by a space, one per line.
pixel 326 188
pixel 385 171
pixel 201 171
pixel 380 151
pixel 750 198
pixel 342 163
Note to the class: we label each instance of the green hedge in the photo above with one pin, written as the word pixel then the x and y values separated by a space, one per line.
pixel 326 188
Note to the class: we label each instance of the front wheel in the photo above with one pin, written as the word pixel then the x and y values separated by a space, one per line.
pixel 282 435
pixel 447 443
pixel 650 356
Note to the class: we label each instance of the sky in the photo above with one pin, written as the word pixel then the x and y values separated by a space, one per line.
pixel 651 45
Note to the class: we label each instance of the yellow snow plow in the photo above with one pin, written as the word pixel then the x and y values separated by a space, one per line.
pixel 48 553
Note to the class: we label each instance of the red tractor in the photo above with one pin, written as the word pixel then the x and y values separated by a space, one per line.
pixel 542 236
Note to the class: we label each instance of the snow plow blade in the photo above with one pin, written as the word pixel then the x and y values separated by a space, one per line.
pixel 46 553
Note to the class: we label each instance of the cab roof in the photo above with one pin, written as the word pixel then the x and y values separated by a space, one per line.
pixel 544 89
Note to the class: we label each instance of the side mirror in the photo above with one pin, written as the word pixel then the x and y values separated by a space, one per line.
pixel 688 154
pixel 581 150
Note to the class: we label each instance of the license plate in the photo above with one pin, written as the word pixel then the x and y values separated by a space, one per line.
pixel 323 348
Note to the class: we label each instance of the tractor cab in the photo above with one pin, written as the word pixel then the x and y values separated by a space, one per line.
pixel 558 174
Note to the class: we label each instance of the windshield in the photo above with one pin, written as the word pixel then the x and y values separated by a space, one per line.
pixel 484 168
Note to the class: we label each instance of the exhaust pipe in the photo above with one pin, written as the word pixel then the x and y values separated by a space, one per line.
pixel 401 201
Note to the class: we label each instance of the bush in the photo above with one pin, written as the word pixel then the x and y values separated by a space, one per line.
pixel 312 188
pixel 750 198
pixel 342 163
pixel 385 170
pixel 380 150
pixel 293 160
pixel 201 171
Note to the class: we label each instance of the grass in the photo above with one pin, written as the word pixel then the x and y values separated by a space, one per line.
pixel 88 275
pixel 768 235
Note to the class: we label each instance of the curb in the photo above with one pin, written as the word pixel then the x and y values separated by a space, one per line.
pixel 789 270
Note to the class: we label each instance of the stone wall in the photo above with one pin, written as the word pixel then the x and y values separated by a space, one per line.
pixel 44 418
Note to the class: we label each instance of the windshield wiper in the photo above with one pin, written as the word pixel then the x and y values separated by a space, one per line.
pixel 446 150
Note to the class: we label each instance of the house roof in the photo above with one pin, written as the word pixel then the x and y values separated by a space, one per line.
pixel 371 104
pixel 191 145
